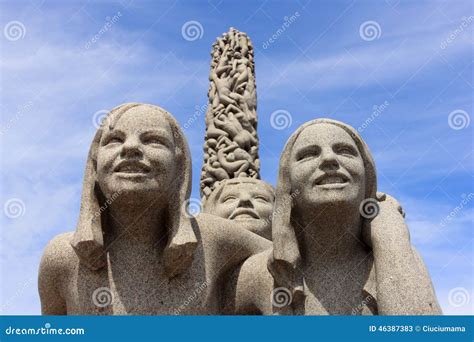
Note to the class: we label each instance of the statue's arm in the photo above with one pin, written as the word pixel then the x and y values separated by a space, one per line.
pixel 254 283
pixel 254 286
pixel 240 243
pixel 51 273
pixel 403 284
pixel 429 291
pixel 229 241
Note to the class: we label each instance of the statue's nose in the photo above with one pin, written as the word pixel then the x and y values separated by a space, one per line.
pixel 131 148
pixel 329 161
pixel 245 202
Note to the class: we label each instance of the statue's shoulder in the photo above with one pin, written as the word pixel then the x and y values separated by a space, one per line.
pixel 255 268
pixel 55 272
pixel 59 256
pixel 254 286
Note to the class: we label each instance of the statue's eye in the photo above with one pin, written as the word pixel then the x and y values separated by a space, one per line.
pixel 154 139
pixel 229 199
pixel 345 150
pixel 113 139
pixel 151 140
pixel 262 199
pixel 308 153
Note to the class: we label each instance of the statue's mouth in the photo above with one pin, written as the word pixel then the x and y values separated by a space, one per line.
pixel 334 179
pixel 244 214
pixel 132 167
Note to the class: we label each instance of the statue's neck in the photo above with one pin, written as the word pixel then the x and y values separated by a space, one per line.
pixel 329 235
pixel 137 223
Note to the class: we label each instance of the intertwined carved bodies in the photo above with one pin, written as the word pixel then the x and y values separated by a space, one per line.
pixel 231 147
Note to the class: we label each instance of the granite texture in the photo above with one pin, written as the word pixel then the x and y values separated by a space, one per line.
pixel 231 141
pixel 136 249
pixel 248 201
pixel 339 247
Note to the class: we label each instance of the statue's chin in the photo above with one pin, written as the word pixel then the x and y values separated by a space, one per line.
pixel 134 192
pixel 335 194
pixel 325 201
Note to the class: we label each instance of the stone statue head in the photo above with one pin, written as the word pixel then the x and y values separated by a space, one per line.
pixel 246 200
pixel 139 153
pixel 324 162
pixel 327 167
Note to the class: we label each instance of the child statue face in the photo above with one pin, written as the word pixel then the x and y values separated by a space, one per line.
pixel 326 167
pixel 244 201
pixel 137 155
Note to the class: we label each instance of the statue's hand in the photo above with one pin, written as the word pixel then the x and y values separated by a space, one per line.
pixel 388 226
pixel 384 200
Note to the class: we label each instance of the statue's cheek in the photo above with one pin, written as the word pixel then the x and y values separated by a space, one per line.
pixel 305 170
pixel 161 158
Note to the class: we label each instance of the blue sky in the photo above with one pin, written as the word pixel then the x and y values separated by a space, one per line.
pixel 405 81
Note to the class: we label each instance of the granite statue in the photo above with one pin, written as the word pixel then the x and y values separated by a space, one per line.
pixel 339 247
pixel 248 201
pixel 136 249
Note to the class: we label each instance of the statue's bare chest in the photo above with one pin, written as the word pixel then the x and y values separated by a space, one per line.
pixel 139 288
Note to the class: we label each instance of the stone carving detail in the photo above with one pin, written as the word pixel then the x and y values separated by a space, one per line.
pixel 339 246
pixel 248 201
pixel 231 143
pixel 135 250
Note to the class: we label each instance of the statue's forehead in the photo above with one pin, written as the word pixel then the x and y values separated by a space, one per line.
pixel 323 133
pixel 141 118
pixel 245 187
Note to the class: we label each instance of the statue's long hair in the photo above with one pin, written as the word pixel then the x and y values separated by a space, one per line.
pixel 88 240
pixel 285 264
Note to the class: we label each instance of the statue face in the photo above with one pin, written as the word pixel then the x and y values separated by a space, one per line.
pixel 244 201
pixel 326 167
pixel 137 156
